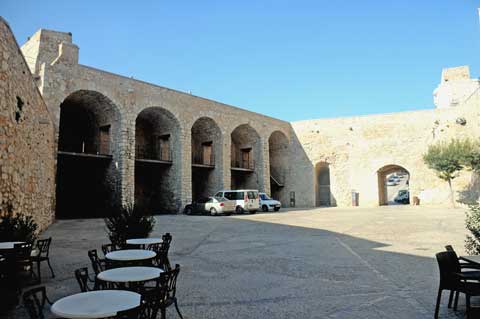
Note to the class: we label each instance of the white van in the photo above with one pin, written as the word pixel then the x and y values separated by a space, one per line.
pixel 245 199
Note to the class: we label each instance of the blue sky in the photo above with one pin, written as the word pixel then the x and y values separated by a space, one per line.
pixel 293 60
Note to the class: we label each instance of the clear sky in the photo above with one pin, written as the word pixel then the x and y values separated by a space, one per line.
pixel 293 60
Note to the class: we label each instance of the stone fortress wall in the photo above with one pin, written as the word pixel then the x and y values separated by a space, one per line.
pixel 357 148
pixel 27 140
pixel 121 140
pixel 134 109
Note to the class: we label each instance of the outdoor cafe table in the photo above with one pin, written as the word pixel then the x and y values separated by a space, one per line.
pixel 130 255
pixel 9 244
pixel 144 241
pixel 472 259
pixel 130 274
pixel 95 304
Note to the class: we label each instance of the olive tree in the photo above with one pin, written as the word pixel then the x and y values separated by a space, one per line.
pixel 448 159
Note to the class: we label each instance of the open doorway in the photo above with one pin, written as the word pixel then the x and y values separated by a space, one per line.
pixel 322 185
pixel 393 185
pixel 87 178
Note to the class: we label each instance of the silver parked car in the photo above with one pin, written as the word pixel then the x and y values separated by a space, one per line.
pixel 210 205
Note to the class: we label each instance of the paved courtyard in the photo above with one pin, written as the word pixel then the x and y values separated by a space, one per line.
pixel 317 263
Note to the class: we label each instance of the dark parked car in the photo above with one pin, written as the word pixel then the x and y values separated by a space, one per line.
pixel 403 197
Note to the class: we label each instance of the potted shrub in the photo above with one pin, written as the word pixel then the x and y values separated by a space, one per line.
pixel 126 222
pixel 13 227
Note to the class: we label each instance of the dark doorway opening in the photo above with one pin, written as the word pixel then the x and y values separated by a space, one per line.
pixel 87 176
pixel 322 185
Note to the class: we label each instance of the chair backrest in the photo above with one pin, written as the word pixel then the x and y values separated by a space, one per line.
pixel 449 248
pixel 43 246
pixel 170 280
pixel 81 274
pixel 107 248
pixel 34 301
pixel 22 251
pixel 167 238
pixel 161 259
pixel 97 265
pixel 448 265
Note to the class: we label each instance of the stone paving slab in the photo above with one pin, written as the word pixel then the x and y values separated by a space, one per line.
pixel 316 263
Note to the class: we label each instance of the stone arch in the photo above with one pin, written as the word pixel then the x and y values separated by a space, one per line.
pixel 88 180
pixel 278 152
pixel 207 158
pixel 157 160
pixel 323 194
pixel 246 157
pixel 393 180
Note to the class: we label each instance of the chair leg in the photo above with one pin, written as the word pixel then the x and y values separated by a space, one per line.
pixel 450 298
pixel 467 298
pixel 38 272
pixel 50 266
pixel 178 310
pixel 455 304
pixel 437 306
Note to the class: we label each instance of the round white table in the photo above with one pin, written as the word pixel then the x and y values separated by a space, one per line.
pixel 144 241
pixel 130 255
pixel 9 244
pixel 95 304
pixel 130 274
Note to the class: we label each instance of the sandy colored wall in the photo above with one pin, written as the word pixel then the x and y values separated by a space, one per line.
pixel 27 160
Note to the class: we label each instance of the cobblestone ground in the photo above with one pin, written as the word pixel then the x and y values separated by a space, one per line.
pixel 318 263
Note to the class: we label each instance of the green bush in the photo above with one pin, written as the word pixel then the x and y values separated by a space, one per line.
pixel 472 222
pixel 17 227
pixel 131 221
pixel 448 159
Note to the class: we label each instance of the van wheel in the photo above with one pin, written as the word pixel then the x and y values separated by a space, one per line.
pixel 238 210
pixel 213 211
pixel 265 208
pixel 188 210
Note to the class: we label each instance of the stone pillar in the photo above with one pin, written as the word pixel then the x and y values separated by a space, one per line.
pixel 126 162
pixel 226 162
pixel 185 164
pixel 263 167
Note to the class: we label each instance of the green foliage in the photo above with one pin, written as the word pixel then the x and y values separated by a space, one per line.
pixel 472 158
pixel 128 222
pixel 448 159
pixel 17 227
pixel 472 222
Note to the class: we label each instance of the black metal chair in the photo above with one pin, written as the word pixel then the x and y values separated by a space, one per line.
pixel 162 295
pixel 98 265
pixel 167 238
pixel 23 262
pixel 471 274
pixel 451 278
pixel 107 248
pixel 41 253
pixel 161 259
pixel 34 301
pixel 463 263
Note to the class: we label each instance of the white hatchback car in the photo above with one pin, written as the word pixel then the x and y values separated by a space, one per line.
pixel 267 203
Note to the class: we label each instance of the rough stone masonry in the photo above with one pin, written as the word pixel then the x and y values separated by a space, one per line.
pixel 74 140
